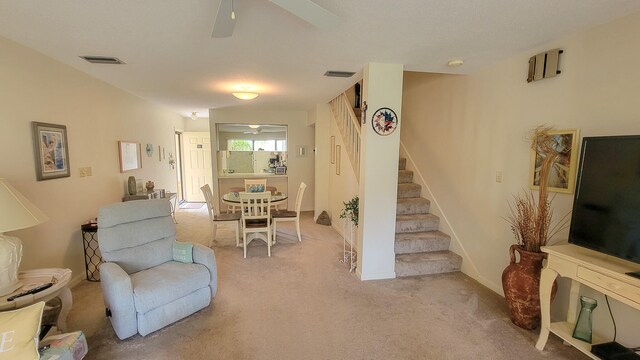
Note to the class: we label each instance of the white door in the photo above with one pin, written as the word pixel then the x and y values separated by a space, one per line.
pixel 197 164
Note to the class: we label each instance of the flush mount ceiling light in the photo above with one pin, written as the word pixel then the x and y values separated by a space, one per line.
pixel 245 95
pixel 455 63
pixel 194 116
pixel 254 126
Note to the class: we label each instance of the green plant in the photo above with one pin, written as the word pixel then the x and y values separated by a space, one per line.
pixel 350 210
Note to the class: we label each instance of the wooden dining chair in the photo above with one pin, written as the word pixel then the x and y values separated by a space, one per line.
pixel 255 209
pixel 284 215
pixel 216 219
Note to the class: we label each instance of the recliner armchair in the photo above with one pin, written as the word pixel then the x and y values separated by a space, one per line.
pixel 144 288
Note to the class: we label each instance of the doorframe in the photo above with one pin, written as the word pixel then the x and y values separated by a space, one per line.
pixel 179 170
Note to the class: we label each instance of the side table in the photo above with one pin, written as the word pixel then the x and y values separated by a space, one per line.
pixel 92 256
pixel 32 278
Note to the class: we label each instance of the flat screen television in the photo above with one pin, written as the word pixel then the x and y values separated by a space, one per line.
pixel 606 206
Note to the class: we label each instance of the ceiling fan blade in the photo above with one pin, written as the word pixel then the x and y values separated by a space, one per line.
pixel 224 24
pixel 309 11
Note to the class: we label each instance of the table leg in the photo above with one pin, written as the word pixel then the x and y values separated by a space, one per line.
pixel 67 302
pixel 547 278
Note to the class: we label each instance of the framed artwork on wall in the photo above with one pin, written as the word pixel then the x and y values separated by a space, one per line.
pixel 51 151
pixel 337 159
pixel 333 150
pixel 130 155
pixel 562 176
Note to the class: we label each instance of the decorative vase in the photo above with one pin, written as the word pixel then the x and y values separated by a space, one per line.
pixel 131 185
pixel 149 185
pixel 582 330
pixel 521 285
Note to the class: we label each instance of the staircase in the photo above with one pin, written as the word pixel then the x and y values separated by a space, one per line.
pixel 421 249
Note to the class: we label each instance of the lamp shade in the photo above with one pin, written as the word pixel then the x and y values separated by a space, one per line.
pixel 16 212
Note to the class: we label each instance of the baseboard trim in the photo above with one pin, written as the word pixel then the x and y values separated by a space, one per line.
pixel 77 279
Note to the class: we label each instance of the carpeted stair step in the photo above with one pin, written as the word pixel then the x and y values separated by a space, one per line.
pixel 407 243
pixel 427 263
pixel 408 190
pixel 402 164
pixel 416 223
pixel 405 176
pixel 408 206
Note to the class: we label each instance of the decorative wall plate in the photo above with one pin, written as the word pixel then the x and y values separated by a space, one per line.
pixel 384 121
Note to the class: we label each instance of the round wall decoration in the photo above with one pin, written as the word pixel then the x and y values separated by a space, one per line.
pixel 384 121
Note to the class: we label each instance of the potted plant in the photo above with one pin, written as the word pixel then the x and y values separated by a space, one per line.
pixel 532 224
pixel 350 210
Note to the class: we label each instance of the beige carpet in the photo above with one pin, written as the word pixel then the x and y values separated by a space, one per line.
pixel 302 303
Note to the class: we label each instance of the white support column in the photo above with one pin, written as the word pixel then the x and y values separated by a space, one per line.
pixel 379 174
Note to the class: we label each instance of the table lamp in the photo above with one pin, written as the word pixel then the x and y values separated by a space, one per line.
pixel 16 212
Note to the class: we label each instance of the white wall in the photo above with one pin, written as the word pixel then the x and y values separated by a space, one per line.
pixel 461 130
pixel 202 124
pixel 299 133
pixel 382 88
pixel 97 115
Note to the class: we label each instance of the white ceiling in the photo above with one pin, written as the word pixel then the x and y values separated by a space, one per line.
pixel 171 58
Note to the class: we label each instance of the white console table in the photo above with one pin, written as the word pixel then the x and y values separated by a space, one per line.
pixel 598 271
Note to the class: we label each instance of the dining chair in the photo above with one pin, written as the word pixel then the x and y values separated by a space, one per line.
pixel 284 215
pixel 217 219
pixel 231 208
pixel 255 209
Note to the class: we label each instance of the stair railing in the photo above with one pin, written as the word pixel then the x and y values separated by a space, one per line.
pixel 349 127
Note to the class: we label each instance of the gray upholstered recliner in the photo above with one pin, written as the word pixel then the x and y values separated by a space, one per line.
pixel 144 289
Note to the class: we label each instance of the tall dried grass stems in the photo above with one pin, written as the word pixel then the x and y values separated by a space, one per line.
pixel 532 221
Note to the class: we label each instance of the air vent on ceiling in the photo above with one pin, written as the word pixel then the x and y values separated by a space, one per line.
pixel 102 60
pixel 334 73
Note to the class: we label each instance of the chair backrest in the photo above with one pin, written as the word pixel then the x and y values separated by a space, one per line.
pixel 208 197
pixel 255 185
pixel 256 206
pixel 136 235
pixel 299 197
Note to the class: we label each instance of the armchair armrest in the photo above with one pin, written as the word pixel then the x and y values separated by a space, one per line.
pixel 205 256
pixel 118 298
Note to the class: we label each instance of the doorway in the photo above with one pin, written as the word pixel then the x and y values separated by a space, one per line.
pixel 196 164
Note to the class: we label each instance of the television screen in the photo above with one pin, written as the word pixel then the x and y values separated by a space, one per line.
pixel 606 207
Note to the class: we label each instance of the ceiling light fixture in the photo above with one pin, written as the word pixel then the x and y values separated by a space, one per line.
pixel 245 95
pixel 254 126
pixel 194 116
pixel 455 63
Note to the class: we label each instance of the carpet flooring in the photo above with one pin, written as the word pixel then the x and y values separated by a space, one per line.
pixel 302 303
pixel 192 206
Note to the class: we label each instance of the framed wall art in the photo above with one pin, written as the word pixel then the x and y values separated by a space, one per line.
pixel 562 176
pixel 384 121
pixel 51 151
pixel 337 159
pixel 333 150
pixel 130 155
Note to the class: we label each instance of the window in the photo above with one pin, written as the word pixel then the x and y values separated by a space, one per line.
pixel 256 145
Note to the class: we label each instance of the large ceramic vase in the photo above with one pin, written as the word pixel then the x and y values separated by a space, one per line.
pixel 521 285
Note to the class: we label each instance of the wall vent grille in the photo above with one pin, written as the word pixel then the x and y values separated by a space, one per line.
pixel 102 60
pixel 343 74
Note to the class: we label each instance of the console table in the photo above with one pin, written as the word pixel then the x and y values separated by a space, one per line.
pixel 601 272
pixel 157 194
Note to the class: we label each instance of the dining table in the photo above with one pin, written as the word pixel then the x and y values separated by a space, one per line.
pixel 233 198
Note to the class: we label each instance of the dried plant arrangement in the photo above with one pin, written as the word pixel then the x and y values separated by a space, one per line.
pixel 531 220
